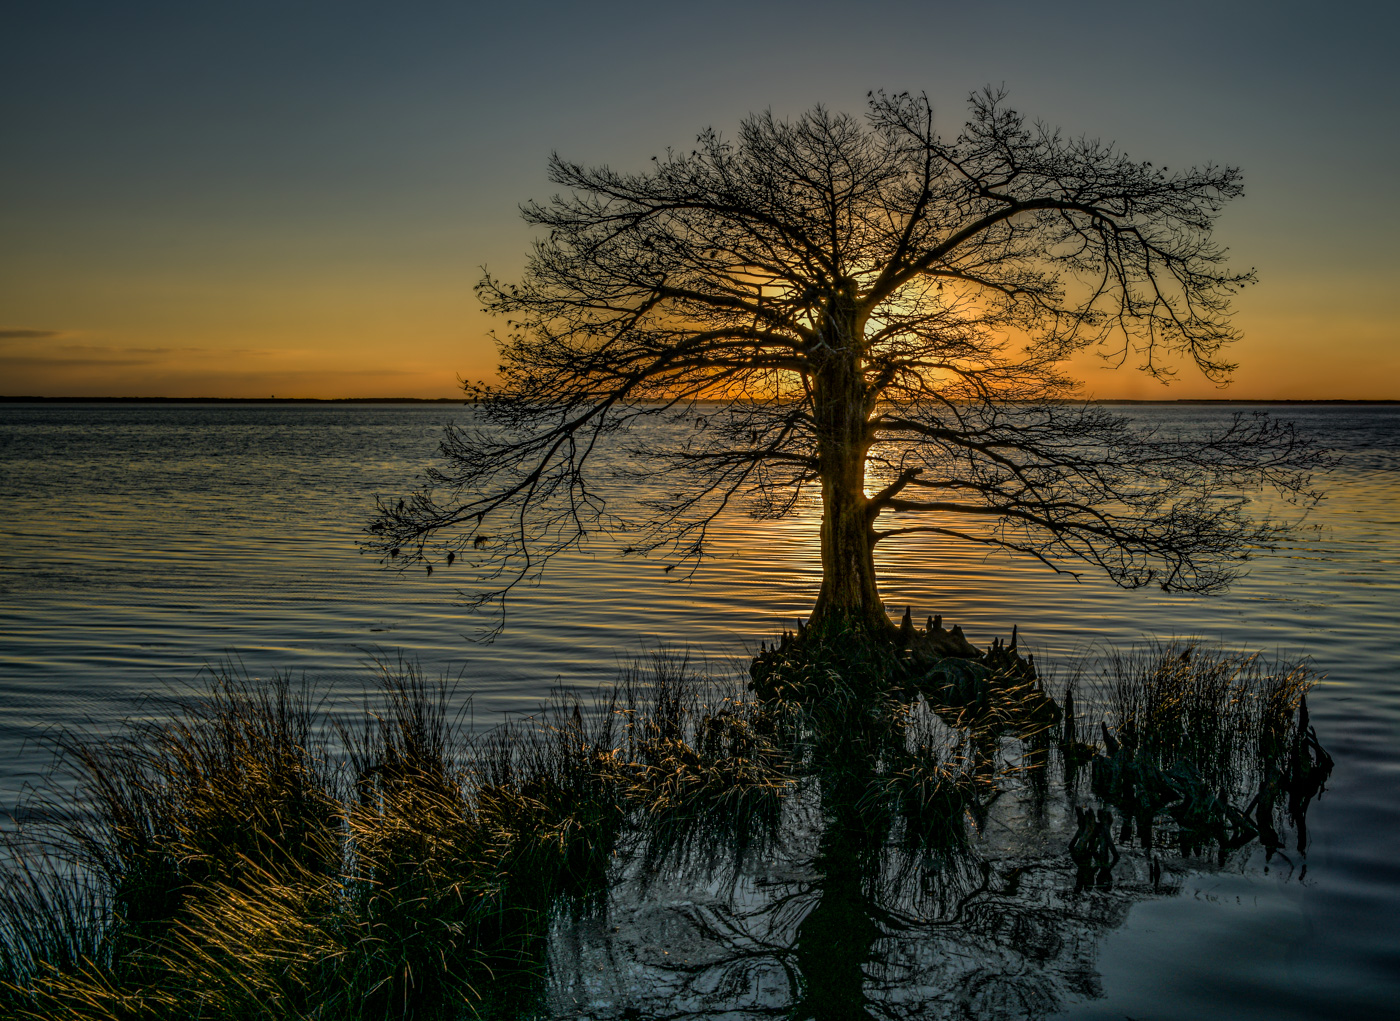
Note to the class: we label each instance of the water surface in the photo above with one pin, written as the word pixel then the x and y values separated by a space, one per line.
pixel 143 542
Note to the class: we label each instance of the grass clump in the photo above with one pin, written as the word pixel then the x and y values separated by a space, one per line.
pixel 238 868
pixel 226 798
pixel 1217 742
pixel 709 771
pixel 52 922
pixel 229 784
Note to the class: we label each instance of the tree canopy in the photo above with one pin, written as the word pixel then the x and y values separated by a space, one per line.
pixel 875 311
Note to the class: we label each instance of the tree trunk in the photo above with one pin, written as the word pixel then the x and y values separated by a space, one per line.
pixel 849 593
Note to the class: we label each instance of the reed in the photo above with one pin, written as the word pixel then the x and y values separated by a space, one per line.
pixel 1217 740
pixel 53 922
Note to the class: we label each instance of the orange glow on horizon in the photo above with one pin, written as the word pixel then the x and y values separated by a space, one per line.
pixel 1282 358
pixel 313 328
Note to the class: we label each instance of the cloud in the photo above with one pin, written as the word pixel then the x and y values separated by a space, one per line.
pixel 8 333
pixel 85 352
pixel 97 370
pixel 16 363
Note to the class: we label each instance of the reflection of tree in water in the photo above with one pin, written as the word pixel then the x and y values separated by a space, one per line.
pixel 850 911
pixel 852 932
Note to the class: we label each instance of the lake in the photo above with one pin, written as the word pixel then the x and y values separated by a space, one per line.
pixel 143 542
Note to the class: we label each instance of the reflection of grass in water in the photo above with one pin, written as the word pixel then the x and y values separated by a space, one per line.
pixel 244 859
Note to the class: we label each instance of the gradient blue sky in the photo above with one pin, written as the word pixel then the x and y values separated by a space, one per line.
pixel 251 198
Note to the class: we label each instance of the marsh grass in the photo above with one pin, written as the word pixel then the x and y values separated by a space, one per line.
pixel 1225 714
pixel 51 920
pixel 235 854
pixel 1218 740
pixel 708 768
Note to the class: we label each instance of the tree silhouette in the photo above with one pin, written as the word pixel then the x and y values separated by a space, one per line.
pixel 877 312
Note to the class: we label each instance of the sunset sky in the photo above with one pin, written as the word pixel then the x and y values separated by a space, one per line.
pixel 246 199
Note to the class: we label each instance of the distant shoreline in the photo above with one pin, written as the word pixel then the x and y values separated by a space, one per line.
pixel 459 400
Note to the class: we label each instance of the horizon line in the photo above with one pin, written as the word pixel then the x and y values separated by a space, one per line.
pixel 34 399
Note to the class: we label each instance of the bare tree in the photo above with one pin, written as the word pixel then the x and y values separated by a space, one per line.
pixel 874 310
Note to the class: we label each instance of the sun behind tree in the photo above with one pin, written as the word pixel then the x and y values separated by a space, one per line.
pixel 875 310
